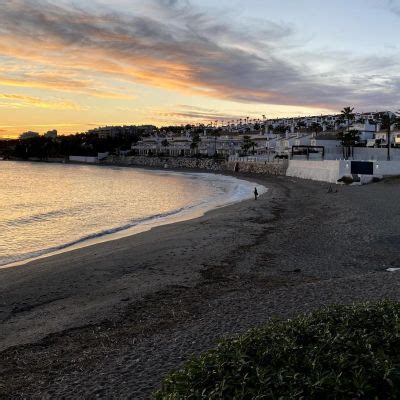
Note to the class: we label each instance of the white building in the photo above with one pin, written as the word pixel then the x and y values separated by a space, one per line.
pixel 381 137
pixel 170 146
pixel 105 132
pixel 366 129
pixel 185 146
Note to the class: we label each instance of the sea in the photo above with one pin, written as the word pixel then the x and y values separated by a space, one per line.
pixel 49 208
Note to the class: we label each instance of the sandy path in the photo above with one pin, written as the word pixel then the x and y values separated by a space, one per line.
pixel 112 319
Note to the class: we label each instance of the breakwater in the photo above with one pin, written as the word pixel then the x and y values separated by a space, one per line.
pixel 206 164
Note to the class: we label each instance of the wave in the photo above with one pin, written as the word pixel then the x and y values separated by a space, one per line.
pixel 105 232
pixel 44 216
pixel 35 218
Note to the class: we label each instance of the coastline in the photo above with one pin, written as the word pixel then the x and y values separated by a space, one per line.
pixel 50 265
pixel 136 227
pixel 111 319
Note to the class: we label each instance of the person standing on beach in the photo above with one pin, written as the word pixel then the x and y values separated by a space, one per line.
pixel 255 193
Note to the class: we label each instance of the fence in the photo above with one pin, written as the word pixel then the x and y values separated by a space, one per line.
pixel 363 154
pixel 258 159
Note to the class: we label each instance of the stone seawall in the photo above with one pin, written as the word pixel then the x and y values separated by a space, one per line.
pixel 266 168
pixel 207 164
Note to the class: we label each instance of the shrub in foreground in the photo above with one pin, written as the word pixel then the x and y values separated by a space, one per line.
pixel 341 352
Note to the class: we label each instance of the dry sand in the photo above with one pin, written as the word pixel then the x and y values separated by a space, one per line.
pixel 110 320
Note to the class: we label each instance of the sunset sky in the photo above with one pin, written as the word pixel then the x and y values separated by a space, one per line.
pixel 71 66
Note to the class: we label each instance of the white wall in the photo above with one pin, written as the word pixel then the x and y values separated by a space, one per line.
pixel 332 170
pixel 88 160
pixel 387 168
pixel 326 171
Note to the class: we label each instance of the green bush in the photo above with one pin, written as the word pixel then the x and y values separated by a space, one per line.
pixel 341 352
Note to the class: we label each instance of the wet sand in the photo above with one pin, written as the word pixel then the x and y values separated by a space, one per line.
pixel 111 319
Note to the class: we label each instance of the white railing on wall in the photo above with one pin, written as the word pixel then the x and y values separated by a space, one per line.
pixel 364 154
pixel 258 159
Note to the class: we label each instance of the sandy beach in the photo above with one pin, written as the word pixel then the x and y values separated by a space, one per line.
pixel 112 319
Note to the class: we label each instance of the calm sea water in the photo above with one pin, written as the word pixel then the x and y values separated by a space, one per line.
pixel 48 207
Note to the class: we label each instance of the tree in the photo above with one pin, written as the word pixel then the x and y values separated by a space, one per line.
pixel 348 139
pixel 300 125
pixel 316 128
pixel 195 142
pixel 388 119
pixel 279 129
pixel 164 144
pixel 216 133
pixel 347 114
pixel 248 144
pixel 270 128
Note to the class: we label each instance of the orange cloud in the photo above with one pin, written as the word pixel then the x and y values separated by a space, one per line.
pixel 173 46
pixel 52 82
pixel 200 60
pixel 21 101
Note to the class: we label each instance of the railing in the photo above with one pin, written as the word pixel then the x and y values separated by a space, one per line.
pixel 258 159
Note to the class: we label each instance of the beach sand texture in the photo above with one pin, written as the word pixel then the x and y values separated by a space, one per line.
pixel 112 319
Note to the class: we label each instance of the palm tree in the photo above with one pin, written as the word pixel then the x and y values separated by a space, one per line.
pixel 347 114
pixel 388 119
pixel 264 119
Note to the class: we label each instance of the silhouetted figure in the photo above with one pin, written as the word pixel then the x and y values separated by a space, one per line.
pixel 255 193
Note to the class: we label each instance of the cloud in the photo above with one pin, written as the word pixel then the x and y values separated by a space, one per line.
pixel 20 101
pixel 184 113
pixel 13 74
pixel 174 45
pixel 60 84
pixel 393 6
pixel 198 116
pixel 187 112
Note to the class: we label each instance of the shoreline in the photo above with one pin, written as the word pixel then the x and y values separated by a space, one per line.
pixel 112 319
pixel 146 225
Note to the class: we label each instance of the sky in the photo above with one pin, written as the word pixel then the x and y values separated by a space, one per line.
pixel 73 65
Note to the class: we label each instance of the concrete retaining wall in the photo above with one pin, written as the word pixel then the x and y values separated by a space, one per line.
pixel 330 171
pixel 326 171
pixel 386 168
